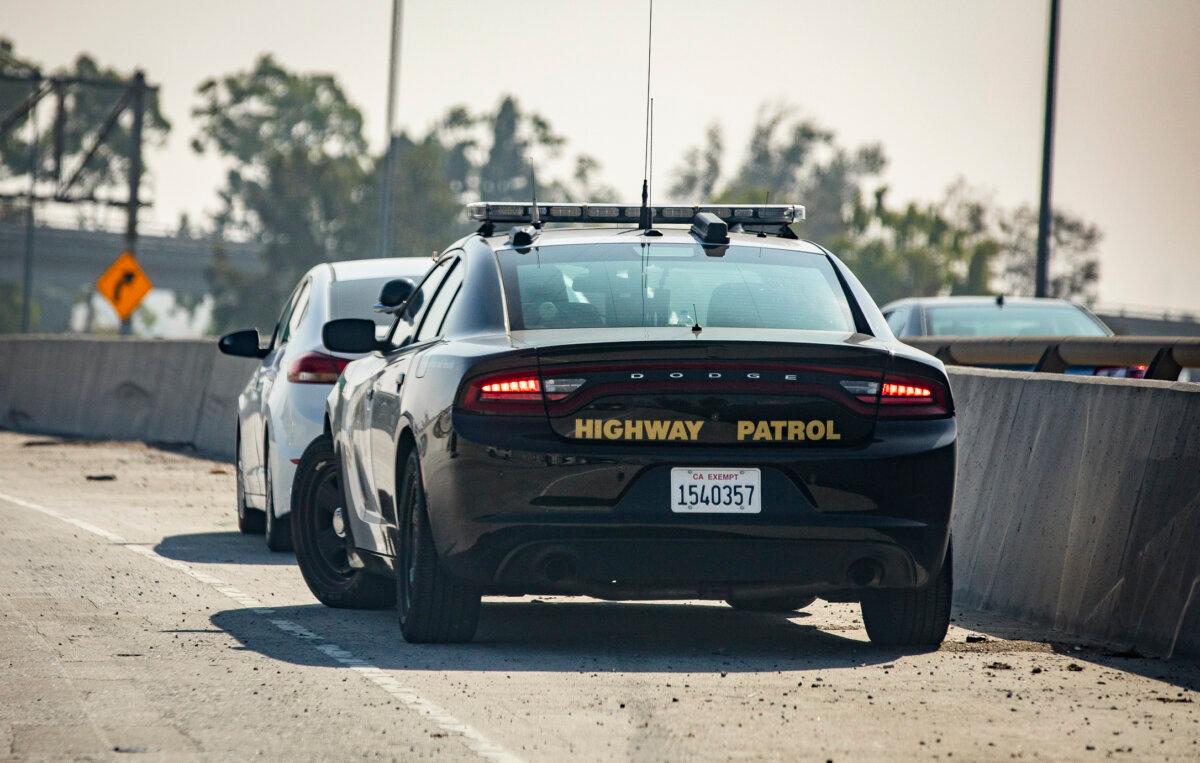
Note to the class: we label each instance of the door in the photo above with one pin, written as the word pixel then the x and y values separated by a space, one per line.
pixel 375 403
pixel 253 432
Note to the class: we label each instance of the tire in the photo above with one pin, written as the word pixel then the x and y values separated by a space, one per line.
pixel 277 529
pixel 433 606
pixel 772 604
pixel 321 554
pixel 919 617
pixel 249 521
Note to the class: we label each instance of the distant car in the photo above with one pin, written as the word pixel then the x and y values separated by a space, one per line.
pixel 1000 316
pixel 283 405
pixel 658 412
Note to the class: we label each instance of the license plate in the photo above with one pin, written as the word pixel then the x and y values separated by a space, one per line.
pixel 716 491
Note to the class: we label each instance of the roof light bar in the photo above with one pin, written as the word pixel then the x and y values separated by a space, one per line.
pixel 747 214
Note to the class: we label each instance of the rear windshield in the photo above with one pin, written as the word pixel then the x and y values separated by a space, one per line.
pixel 1011 320
pixel 354 299
pixel 639 285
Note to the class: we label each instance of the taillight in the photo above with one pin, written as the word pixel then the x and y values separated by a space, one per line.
pixel 901 396
pixel 515 392
pixel 316 368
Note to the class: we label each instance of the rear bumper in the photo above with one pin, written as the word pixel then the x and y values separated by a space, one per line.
pixel 549 516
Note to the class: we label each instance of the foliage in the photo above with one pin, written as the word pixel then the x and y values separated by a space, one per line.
pixel 304 183
pixel 10 308
pixel 297 183
pixel 86 108
pixel 960 244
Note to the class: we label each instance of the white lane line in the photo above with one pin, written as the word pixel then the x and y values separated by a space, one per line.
pixel 408 697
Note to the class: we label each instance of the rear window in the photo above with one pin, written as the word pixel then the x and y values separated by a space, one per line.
pixel 639 285
pixel 354 299
pixel 1011 320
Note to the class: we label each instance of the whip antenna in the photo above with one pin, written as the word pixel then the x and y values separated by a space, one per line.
pixel 645 217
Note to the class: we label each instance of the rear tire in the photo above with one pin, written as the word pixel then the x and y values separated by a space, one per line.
pixel 434 607
pixel 920 617
pixel 772 604
pixel 321 554
pixel 249 521
pixel 277 529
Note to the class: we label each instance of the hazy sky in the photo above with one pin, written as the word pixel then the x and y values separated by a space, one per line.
pixel 952 89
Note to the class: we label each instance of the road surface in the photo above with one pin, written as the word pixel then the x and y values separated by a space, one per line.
pixel 135 620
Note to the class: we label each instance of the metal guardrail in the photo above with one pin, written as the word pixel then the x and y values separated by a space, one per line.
pixel 1164 356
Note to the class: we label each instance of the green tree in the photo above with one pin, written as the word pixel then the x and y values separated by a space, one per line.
pixel 1074 268
pixel 298 181
pixel 85 109
pixel 960 244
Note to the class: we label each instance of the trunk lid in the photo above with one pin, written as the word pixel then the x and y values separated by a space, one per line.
pixel 712 387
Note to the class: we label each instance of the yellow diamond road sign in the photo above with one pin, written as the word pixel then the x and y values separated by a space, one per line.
pixel 124 284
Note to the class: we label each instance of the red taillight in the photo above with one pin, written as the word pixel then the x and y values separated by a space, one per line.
pixel 515 393
pixel 902 396
pixel 914 393
pixel 912 397
pixel 520 388
pixel 316 368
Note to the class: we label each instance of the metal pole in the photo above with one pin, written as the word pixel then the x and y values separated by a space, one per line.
pixel 135 171
pixel 1045 214
pixel 35 81
pixel 385 193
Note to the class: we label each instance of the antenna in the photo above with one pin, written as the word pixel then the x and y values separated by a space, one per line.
pixel 535 215
pixel 645 218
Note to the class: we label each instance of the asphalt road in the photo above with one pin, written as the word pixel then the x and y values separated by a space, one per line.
pixel 135 620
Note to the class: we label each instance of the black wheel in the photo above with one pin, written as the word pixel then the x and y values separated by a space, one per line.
pixel 920 617
pixel 434 607
pixel 277 529
pixel 319 535
pixel 249 521
pixel 772 603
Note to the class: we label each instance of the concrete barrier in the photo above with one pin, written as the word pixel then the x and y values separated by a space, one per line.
pixel 1078 500
pixel 1078 505
pixel 173 392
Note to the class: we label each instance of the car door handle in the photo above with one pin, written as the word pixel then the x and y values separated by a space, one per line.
pixel 371 393
pixel 399 381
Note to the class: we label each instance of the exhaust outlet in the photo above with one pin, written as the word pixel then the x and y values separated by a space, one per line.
pixel 865 572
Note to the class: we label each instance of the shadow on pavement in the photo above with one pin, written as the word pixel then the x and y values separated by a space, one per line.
pixel 220 548
pixel 573 636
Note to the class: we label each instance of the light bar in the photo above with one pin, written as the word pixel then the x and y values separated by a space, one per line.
pixel 746 214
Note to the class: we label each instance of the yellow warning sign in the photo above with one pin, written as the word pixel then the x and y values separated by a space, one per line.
pixel 124 284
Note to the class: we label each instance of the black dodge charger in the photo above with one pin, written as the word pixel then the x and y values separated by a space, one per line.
pixel 700 406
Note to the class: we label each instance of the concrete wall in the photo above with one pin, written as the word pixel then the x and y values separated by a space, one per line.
pixel 174 392
pixel 1078 503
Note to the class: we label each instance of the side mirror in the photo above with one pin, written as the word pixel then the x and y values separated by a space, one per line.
pixel 393 295
pixel 243 344
pixel 355 335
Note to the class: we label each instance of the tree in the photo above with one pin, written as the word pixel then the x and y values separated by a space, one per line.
pixel 786 159
pixel 961 244
pixel 85 109
pixel 297 184
pixel 1074 268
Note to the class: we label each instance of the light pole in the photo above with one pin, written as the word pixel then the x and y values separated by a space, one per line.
pixel 1045 214
pixel 389 160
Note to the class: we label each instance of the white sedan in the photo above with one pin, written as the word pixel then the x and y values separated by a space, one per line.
pixel 282 408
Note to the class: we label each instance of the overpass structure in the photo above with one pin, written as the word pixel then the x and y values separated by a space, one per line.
pixel 66 262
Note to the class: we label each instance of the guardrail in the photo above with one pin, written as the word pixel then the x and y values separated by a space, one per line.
pixel 1164 356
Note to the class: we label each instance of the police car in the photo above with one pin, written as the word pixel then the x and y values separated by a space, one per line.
pixel 698 407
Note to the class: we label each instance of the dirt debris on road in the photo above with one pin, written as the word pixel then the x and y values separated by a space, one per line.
pixel 108 650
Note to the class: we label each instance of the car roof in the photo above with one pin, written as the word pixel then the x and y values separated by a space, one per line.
pixel 670 235
pixel 380 267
